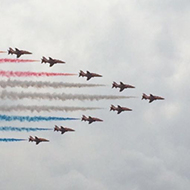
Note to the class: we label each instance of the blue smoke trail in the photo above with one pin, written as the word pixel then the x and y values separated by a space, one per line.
pixel 11 140
pixel 34 118
pixel 20 129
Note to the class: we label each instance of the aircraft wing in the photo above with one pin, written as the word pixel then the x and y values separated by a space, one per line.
pixel 18 55
pixel 151 100
pixel 121 89
pixel 88 77
pixel 62 130
pixel 90 121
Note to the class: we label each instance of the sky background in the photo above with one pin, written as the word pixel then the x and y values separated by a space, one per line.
pixel 143 43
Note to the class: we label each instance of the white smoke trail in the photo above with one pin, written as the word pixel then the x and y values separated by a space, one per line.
pixel 54 96
pixel 5 108
pixel 41 84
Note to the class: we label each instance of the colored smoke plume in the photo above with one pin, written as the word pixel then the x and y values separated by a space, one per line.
pixel 29 74
pixel 11 140
pixel 34 118
pixel 6 108
pixel 17 60
pixel 54 96
pixel 20 129
pixel 44 84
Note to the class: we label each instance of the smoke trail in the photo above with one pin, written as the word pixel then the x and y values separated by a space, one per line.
pixel 29 74
pixel 5 108
pixel 11 140
pixel 3 52
pixel 20 129
pixel 40 84
pixel 34 118
pixel 21 95
pixel 17 60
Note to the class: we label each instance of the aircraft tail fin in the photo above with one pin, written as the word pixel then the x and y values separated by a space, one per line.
pixel 144 96
pixel 112 108
pixel 44 60
pixel 114 85
pixel 10 51
pixel 56 128
pixel 81 73
pixel 84 118
pixel 31 139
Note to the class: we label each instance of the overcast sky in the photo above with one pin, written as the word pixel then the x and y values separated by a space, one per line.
pixel 143 43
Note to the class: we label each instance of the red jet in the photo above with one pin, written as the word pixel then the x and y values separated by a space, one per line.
pixel 62 129
pixel 151 98
pixel 119 109
pixel 90 119
pixel 37 139
pixel 122 86
pixel 51 61
pixel 88 74
pixel 18 52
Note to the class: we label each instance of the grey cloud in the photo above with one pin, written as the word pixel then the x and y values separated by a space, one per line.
pixel 143 43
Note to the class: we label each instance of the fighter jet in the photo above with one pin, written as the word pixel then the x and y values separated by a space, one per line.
pixel 88 74
pixel 18 52
pixel 119 109
pixel 51 61
pixel 37 140
pixel 151 97
pixel 122 86
pixel 62 129
pixel 90 119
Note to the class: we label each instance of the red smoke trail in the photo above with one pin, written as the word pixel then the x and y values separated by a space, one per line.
pixel 3 52
pixel 29 74
pixel 17 60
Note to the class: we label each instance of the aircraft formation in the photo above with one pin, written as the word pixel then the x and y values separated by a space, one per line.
pixel 118 109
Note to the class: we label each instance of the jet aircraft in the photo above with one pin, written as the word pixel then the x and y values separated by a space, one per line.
pixel 90 119
pixel 51 61
pixel 151 98
pixel 119 109
pixel 62 129
pixel 18 52
pixel 122 86
pixel 88 74
pixel 37 139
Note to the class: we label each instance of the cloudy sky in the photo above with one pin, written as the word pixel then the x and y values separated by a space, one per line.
pixel 143 43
